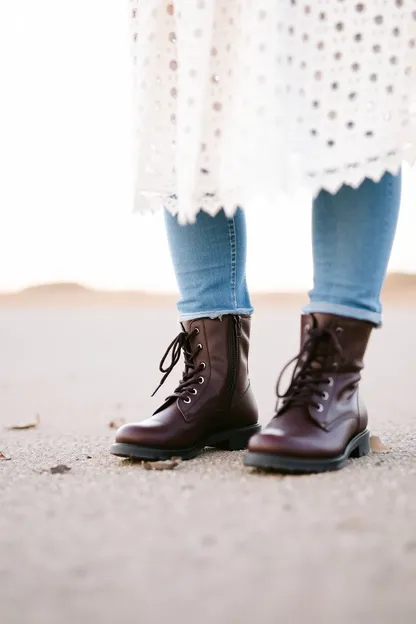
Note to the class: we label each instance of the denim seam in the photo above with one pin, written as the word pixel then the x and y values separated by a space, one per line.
pixel 188 316
pixel 232 238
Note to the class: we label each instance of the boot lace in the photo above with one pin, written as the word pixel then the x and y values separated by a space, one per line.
pixel 182 343
pixel 310 372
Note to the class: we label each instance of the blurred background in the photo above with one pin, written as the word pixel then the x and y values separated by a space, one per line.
pixel 101 540
pixel 67 153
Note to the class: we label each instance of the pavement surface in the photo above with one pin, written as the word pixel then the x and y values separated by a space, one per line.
pixel 210 541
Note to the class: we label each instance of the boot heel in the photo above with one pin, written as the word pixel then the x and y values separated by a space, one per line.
pixel 363 446
pixel 238 440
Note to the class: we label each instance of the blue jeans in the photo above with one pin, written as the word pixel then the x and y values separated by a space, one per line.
pixel 353 233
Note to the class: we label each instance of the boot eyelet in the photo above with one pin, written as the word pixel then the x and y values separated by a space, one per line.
pixel 320 408
pixel 196 330
pixel 339 330
pixel 201 380
pixel 203 365
pixel 199 346
pixel 330 381
pixel 187 400
pixel 325 396
pixel 307 328
pixel 193 391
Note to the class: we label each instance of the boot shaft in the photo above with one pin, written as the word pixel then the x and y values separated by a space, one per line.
pixel 351 334
pixel 224 350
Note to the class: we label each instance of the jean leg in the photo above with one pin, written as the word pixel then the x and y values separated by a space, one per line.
pixel 209 259
pixel 353 234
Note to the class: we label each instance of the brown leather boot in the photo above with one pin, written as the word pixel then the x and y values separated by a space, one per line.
pixel 321 421
pixel 213 404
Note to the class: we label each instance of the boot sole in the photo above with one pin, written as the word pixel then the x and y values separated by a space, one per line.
pixel 358 447
pixel 231 440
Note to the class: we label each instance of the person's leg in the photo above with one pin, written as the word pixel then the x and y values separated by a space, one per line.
pixel 321 421
pixel 209 258
pixel 213 404
pixel 353 234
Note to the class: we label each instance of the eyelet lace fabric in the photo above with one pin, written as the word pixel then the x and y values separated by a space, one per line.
pixel 239 101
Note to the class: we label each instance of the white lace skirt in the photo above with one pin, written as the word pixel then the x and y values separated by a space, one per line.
pixel 241 100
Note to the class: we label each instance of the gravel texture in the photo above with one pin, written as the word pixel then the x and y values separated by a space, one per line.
pixel 210 541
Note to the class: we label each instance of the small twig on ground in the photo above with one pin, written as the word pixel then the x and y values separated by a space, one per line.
pixel 117 423
pixel 20 427
pixel 168 464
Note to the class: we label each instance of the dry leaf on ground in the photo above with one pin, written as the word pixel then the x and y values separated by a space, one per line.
pixel 20 427
pixel 168 464
pixel 117 423
pixel 3 457
pixel 352 524
pixel 60 469
pixel 377 445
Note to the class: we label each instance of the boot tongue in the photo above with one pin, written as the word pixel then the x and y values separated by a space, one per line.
pixel 322 351
pixel 322 361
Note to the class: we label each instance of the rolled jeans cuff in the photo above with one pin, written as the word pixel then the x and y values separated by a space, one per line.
pixel 343 310
pixel 213 314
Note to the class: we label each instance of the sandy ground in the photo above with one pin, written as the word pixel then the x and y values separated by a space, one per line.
pixel 399 289
pixel 210 541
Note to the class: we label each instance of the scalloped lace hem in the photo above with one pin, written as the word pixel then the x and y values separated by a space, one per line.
pixel 230 200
